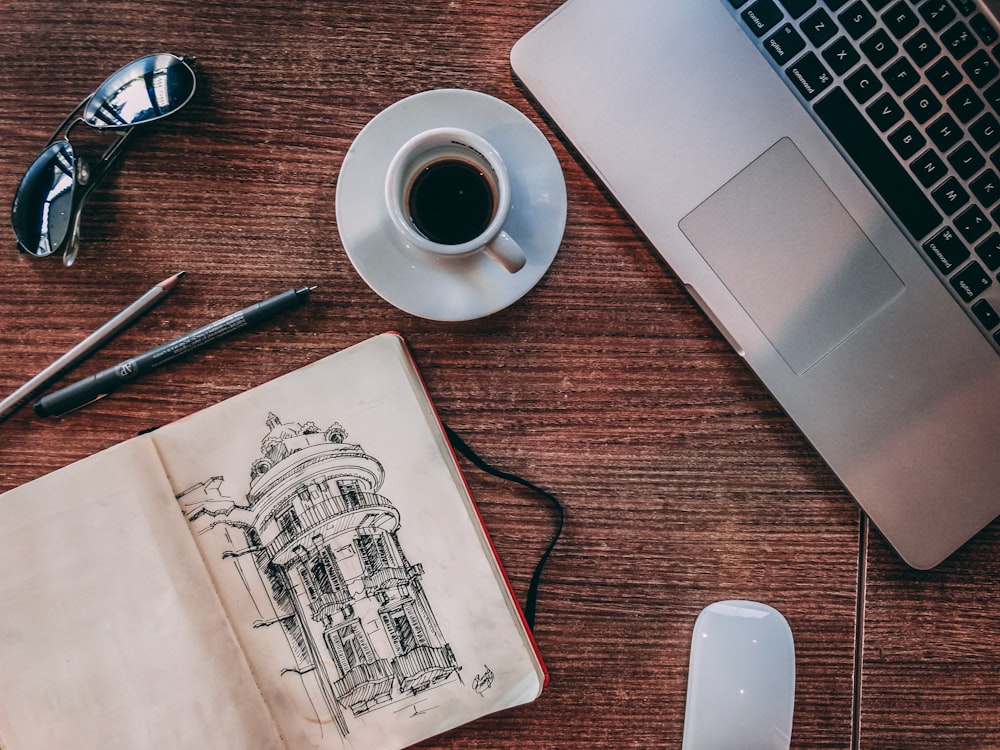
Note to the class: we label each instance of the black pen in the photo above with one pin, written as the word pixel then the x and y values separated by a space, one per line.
pixel 97 386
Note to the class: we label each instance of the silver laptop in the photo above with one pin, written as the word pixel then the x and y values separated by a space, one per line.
pixel 824 182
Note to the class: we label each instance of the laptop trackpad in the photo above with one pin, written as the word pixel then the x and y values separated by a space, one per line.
pixel 791 255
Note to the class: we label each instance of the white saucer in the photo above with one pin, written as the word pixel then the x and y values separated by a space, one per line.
pixel 450 288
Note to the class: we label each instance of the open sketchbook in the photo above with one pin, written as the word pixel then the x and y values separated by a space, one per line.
pixel 299 567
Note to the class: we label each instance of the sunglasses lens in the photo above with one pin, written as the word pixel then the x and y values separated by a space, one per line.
pixel 42 212
pixel 144 90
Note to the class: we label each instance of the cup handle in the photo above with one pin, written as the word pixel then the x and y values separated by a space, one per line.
pixel 504 250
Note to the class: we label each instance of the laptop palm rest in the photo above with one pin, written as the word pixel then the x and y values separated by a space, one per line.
pixel 791 255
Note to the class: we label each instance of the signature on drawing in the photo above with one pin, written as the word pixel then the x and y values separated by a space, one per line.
pixel 484 681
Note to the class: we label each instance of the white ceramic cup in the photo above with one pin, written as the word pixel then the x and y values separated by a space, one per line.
pixel 409 190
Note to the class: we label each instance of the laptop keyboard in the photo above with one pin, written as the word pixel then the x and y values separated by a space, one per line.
pixel 910 91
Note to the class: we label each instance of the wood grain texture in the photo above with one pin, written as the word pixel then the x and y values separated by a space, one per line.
pixel 684 482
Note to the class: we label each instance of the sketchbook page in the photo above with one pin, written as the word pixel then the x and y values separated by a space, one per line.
pixel 348 555
pixel 111 635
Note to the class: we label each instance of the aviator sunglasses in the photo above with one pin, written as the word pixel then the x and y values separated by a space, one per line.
pixel 49 200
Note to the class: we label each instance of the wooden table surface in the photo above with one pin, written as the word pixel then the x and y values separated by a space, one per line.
pixel 683 480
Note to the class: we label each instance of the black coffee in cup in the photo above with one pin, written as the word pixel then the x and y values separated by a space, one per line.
pixel 451 201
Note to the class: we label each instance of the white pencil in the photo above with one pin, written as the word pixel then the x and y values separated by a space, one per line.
pixel 88 346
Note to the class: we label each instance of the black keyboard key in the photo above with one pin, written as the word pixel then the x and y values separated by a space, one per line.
pixel 989 251
pixel 879 48
pixel 900 19
pixel 937 13
pixel 946 250
pixel 945 132
pixel 972 224
pixel 959 40
pixel 809 76
pixel 986 315
pixel 878 164
pixel 981 68
pixel 943 75
pixel 901 76
pixel 857 20
pixel 986 188
pixel 907 140
pixel 784 44
pixel 986 131
pixel 971 281
pixel 922 47
pixel 992 95
pixel 885 112
pixel 965 7
pixel 929 168
pixel 965 103
pixel 819 28
pixel 761 17
pixel 982 28
pixel 863 84
pixel 966 160
pixel 841 55
pixel 922 104
pixel 950 195
pixel 796 8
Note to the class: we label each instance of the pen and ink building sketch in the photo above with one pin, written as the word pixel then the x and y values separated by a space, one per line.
pixel 317 548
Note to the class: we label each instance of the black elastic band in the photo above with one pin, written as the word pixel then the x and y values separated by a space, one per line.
pixel 531 600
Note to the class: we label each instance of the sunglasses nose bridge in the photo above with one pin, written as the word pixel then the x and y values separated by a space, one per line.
pixel 73 243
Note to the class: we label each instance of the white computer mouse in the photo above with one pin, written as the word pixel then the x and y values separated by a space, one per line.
pixel 741 680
